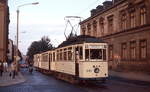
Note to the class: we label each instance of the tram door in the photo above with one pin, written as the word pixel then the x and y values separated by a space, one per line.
pixel 77 62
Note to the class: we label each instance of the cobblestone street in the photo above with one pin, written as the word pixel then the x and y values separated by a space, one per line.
pixel 38 82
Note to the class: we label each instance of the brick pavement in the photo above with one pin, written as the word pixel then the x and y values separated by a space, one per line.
pixel 6 80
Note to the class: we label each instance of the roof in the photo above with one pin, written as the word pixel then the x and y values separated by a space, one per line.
pixel 103 11
pixel 80 39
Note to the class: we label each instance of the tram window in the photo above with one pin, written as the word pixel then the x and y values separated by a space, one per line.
pixel 81 52
pixel 49 57
pixel 69 54
pixel 87 54
pixel 60 54
pixel 53 56
pixel 57 55
pixel 104 54
pixel 45 57
pixel 65 54
pixel 80 49
pixel 95 54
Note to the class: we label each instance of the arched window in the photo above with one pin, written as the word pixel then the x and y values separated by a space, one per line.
pixel 101 24
pixel 95 28
pixel 142 15
pixel 123 20
pixel 89 29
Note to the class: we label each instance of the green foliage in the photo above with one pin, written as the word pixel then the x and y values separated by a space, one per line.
pixel 39 46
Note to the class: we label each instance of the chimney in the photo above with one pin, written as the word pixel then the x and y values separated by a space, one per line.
pixel 99 8
pixel 107 4
pixel 93 12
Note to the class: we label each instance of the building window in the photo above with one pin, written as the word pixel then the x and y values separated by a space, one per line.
pixel 101 23
pixel 124 51
pixel 89 28
pixel 123 20
pixel 110 52
pixel 143 49
pixel 133 50
pixel 110 24
pixel 94 28
pixel 83 31
pixel 132 19
pixel 142 15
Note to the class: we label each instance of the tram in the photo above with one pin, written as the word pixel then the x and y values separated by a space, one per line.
pixel 81 58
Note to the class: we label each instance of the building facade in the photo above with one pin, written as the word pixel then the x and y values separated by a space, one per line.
pixel 4 21
pixel 125 25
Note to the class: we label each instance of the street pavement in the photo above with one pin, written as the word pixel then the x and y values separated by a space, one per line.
pixel 6 80
pixel 38 82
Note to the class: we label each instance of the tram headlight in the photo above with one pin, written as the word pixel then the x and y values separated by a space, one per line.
pixel 96 70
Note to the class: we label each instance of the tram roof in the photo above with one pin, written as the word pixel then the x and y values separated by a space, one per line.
pixel 80 39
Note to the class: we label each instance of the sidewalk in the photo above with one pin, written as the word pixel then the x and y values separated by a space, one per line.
pixel 131 76
pixel 6 80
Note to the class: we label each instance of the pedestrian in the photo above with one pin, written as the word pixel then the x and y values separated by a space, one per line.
pixel 5 66
pixel 31 67
pixel 1 68
pixel 13 70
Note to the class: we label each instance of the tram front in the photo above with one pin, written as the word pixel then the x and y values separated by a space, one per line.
pixel 94 65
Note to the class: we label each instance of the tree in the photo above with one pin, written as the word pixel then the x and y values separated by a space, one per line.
pixel 38 47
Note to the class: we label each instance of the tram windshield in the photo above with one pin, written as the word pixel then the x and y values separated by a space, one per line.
pixel 95 54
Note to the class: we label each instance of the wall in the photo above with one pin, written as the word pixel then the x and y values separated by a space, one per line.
pixel 117 35
pixel 4 21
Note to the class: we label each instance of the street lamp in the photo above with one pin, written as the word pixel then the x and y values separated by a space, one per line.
pixel 17 53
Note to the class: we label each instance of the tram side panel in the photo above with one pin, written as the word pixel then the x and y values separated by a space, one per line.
pixel 93 69
pixel 52 66
pixel 45 61
pixel 65 67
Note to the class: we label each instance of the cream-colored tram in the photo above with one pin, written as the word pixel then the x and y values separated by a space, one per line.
pixel 44 62
pixel 37 59
pixel 82 58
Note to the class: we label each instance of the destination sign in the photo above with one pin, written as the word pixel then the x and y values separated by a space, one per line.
pixel 95 47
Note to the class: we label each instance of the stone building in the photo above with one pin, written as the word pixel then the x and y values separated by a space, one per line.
pixel 125 25
pixel 4 21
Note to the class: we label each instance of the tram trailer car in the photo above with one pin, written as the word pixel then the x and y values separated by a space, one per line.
pixel 37 61
pixel 82 58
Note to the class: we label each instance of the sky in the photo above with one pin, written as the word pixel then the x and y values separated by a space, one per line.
pixel 46 19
